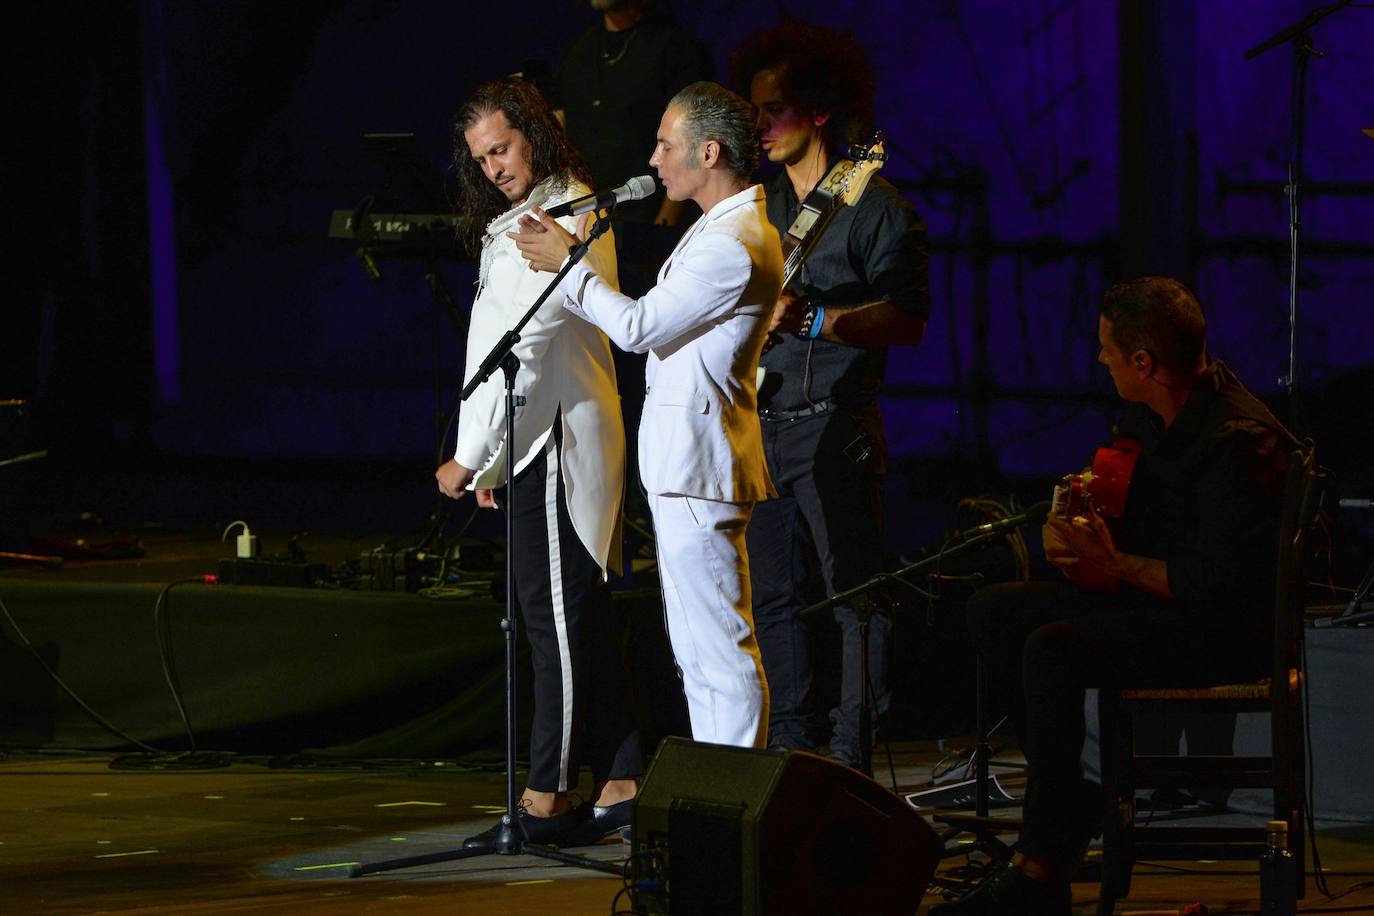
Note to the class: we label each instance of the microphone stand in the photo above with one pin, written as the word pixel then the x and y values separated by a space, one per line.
pixel 1352 615
pixel 509 840
pixel 863 610
pixel 1297 34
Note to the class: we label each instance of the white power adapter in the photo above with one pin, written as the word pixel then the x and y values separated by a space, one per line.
pixel 246 544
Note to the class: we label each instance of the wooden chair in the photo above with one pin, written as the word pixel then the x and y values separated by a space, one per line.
pixel 1125 842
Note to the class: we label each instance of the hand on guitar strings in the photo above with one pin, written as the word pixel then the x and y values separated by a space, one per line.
pixel 787 313
pixel 787 318
pixel 1081 538
pixel 1058 553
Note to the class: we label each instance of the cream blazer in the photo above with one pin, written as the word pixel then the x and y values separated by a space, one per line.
pixel 703 326
pixel 565 370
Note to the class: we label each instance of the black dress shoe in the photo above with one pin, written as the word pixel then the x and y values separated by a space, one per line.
pixel 1008 891
pixel 548 831
pixel 599 823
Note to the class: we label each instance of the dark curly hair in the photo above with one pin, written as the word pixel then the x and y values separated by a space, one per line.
pixel 478 201
pixel 820 70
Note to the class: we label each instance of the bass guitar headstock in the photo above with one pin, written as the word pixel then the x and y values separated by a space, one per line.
pixel 848 179
pixel 842 186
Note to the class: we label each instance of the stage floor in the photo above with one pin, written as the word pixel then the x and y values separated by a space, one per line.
pixel 277 834
pixel 79 837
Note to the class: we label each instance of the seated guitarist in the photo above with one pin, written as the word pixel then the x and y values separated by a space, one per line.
pixel 862 289
pixel 1193 553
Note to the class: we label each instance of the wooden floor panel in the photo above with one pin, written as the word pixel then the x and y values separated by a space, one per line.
pixel 79 837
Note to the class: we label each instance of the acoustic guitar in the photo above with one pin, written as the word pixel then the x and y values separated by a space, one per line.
pixel 1103 486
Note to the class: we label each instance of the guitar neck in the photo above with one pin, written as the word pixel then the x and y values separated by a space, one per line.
pixel 842 186
pixel 806 230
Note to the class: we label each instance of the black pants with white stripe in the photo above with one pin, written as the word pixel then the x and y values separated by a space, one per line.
pixel 581 705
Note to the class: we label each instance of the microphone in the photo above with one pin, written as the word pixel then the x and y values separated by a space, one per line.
pixel 1034 515
pixel 634 189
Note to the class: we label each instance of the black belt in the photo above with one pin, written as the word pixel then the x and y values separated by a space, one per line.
pixel 819 407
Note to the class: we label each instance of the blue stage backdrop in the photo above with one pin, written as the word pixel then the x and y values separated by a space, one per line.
pixel 1006 126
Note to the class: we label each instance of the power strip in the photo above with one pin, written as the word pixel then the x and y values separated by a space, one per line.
pixel 257 571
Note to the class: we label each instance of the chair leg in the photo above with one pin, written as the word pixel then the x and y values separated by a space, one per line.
pixel 1300 803
pixel 1297 833
pixel 1289 756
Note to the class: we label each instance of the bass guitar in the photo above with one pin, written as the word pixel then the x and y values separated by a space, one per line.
pixel 842 186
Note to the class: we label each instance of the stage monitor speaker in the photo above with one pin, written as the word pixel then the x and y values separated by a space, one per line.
pixel 724 830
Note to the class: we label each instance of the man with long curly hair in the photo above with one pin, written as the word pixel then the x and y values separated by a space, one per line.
pixel 512 155
pixel 863 288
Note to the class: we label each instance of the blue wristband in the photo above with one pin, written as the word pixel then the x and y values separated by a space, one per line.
pixel 816 323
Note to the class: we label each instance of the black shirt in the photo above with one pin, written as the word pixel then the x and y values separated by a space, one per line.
pixel 614 86
pixel 872 250
pixel 1206 496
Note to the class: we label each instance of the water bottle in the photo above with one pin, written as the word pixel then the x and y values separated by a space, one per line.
pixel 1278 873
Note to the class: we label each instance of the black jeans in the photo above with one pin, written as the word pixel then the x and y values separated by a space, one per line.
pixel 1044 643
pixel 581 706
pixel 830 495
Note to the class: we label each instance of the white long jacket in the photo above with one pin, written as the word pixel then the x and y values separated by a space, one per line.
pixel 565 370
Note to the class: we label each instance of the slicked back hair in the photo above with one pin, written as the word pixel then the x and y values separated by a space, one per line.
pixel 478 200
pixel 712 112
pixel 1160 316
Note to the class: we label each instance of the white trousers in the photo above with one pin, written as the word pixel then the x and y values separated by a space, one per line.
pixel 704 568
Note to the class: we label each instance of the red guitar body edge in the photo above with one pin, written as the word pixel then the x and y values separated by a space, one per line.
pixel 1112 469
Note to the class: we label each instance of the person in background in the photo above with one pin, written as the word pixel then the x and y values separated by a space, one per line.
pixel 862 289
pixel 1193 554
pixel 613 81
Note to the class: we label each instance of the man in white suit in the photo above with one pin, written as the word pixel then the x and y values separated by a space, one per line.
pixel 511 154
pixel 700 452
